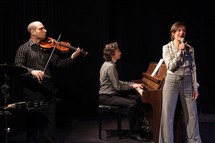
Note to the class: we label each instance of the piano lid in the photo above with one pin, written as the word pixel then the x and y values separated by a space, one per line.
pixel 153 82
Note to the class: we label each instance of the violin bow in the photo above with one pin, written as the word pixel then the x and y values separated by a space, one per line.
pixel 58 39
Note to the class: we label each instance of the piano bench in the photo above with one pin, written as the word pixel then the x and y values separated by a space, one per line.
pixel 107 111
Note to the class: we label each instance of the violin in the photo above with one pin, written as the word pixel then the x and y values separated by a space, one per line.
pixel 63 47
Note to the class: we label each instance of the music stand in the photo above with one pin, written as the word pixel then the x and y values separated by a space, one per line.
pixel 8 70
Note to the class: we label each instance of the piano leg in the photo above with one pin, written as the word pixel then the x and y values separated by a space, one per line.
pixel 156 120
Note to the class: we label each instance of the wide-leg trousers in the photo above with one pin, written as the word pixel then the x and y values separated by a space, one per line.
pixel 174 87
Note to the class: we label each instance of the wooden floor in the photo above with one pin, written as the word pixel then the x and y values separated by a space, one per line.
pixel 85 130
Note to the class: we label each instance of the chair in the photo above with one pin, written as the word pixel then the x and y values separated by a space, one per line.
pixel 107 111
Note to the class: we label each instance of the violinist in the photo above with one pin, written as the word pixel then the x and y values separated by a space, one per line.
pixel 40 66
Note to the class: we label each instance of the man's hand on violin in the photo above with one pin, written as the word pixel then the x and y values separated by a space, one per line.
pixel 76 53
pixel 38 74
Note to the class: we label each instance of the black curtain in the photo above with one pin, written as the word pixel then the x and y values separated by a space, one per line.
pixel 141 29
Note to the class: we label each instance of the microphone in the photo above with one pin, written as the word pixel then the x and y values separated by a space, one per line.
pixel 182 40
pixel 184 50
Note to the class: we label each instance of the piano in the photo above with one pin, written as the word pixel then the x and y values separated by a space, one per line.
pixel 152 94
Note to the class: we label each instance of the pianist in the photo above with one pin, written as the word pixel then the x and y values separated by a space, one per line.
pixel 110 92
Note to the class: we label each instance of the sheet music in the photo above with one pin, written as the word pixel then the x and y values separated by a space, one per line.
pixel 157 67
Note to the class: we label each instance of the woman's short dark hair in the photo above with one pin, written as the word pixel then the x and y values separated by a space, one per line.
pixel 109 50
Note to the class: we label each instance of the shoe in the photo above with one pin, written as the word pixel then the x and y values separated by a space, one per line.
pixel 148 140
pixel 147 136
pixel 136 137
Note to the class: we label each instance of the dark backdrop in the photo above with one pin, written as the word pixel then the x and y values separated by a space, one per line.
pixel 140 28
